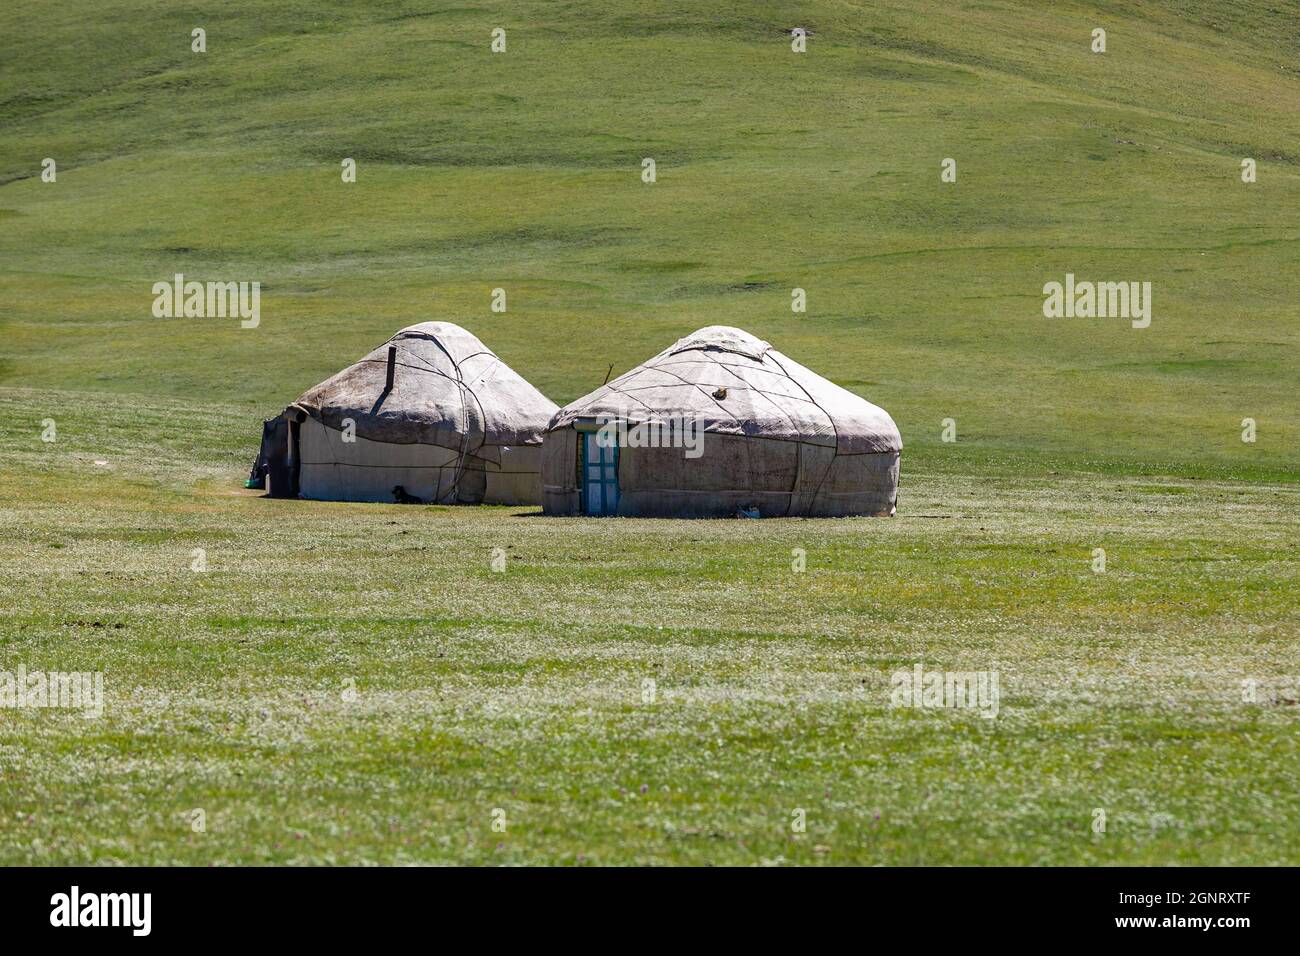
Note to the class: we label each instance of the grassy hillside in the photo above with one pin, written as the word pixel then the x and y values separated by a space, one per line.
pixel 521 691
pixel 775 170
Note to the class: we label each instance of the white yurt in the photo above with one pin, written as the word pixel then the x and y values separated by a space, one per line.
pixel 430 416
pixel 721 424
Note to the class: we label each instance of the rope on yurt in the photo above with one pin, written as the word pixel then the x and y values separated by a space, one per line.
pixel 461 455
pixel 831 418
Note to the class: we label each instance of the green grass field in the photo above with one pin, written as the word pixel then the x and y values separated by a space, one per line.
pixel 353 683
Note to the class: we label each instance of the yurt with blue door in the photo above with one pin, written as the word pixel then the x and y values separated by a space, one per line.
pixel 717 425
pixel 430 416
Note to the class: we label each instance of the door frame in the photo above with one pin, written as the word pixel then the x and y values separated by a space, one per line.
pixel 586 434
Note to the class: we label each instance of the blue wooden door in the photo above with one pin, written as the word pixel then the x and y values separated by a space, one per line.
pixel 599 476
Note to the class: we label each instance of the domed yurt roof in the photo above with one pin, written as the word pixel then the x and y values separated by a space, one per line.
pixel 734 383
pixel 448 389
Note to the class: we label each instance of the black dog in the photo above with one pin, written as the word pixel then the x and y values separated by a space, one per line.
pixel 402 498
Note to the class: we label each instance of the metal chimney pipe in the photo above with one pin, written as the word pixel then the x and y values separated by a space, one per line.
pixel 392 365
